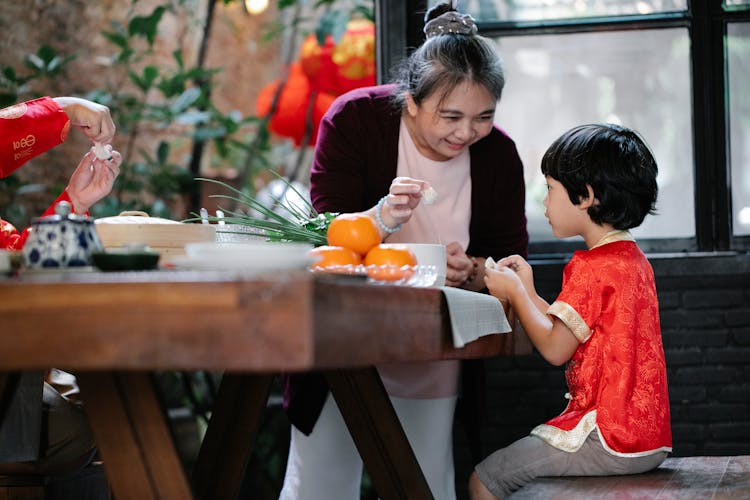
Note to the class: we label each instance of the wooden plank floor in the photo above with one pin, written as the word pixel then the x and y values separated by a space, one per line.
pixel 685 478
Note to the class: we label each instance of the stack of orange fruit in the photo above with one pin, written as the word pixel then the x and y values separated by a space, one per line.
pixel 353 241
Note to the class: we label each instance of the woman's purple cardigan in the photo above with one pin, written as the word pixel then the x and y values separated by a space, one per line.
pixel 355 162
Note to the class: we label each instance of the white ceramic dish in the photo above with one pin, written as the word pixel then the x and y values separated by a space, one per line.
pixel 255 257
pixel 246 249
pixel 245 264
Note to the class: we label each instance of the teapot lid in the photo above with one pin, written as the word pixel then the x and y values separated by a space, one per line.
pixel 63 211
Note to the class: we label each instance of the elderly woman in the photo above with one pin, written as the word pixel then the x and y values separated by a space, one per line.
pixel 379 150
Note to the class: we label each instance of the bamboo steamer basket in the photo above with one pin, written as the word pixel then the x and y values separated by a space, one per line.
pixel 166 236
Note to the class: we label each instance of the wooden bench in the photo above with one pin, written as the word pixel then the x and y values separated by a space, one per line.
pixel 684 478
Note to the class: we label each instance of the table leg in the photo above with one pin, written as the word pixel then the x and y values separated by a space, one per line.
pixel 132 436
pixel 8 382
pixel 378 434
pixel 228 442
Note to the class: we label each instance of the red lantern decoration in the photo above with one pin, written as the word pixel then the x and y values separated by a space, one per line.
pixel 354 56
pixel 289 119
pixel 339 68
pixel 317 63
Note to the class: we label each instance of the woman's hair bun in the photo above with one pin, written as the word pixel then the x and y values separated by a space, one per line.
pixel 443 19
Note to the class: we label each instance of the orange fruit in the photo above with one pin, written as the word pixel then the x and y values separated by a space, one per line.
pixel 390 262
pixel 335 259
pixel 355 231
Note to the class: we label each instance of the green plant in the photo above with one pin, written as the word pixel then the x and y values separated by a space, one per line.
pixel 302 224
pixel 45 63
pixel 174 102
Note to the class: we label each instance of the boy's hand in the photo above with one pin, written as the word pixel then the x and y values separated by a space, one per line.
pixel 503 283
pixel 522 268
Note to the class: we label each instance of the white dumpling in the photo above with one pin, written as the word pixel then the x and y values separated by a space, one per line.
pixel 101 151
pixel 429 195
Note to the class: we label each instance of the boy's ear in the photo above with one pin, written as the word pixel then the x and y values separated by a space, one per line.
pixel 585 203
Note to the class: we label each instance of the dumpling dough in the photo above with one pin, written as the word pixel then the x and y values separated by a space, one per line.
pixel 429 195
pixel 101 151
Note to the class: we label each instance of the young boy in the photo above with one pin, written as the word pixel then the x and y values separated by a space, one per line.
pixel 601 182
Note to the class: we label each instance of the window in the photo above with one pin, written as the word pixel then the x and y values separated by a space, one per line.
pixel 485 11
pixel 666 68
pixel 738 70
pixel 640 79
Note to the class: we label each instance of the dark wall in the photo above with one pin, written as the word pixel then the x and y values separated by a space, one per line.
pixel 705 318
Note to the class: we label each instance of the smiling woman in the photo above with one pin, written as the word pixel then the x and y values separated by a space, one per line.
pixel 379 150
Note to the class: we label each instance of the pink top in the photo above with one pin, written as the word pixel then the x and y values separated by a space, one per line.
pixel 445 221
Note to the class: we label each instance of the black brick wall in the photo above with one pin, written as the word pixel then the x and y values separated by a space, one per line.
pixel 705 317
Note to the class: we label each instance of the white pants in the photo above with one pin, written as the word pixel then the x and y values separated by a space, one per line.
pixel 326 465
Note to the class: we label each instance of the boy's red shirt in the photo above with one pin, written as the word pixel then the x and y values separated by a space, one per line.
pixel 617 378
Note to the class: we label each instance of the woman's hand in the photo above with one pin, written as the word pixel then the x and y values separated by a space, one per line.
pixel 403 197
pixel 92 180
pixel 92 118
pixel 460 270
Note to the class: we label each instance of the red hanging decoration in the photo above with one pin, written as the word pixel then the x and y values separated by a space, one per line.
pixel 289 119
pixel 339 68
pixel 354 56
pixel 317 64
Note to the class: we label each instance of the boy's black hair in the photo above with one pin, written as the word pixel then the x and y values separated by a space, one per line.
pixel 615 162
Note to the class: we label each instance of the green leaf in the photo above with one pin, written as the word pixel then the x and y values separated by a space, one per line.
pixel 193 117
pixel 46 53
pixel 177 55
pixel 34 62
pixel 206 133
pixel 145 82
pixel 125 55
pixel 185 100
pixel 54 64
pixel 10 74
pixel 117 38
pixel 146 25
pixel 171 87
pixel 162 153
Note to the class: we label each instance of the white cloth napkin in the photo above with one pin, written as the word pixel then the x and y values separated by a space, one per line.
pixel 474 315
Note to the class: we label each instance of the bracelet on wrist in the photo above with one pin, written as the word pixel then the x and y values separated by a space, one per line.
pixel 379 219
pixel 474 272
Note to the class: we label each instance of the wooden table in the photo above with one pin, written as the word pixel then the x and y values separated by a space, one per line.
pixel 113 329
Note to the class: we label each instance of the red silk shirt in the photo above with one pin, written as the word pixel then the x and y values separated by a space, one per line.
pixel 27 130
pixel 617 377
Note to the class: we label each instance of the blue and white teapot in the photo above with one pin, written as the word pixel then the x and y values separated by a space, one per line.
pixel 62 240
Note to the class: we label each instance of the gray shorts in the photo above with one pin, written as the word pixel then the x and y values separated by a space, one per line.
pixel 509 468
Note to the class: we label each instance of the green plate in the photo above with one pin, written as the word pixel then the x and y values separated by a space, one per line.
pixel 125 261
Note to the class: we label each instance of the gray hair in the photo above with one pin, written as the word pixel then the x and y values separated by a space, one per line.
pixel 448 58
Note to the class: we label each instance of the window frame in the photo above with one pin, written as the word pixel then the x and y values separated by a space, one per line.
pixel 398 27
